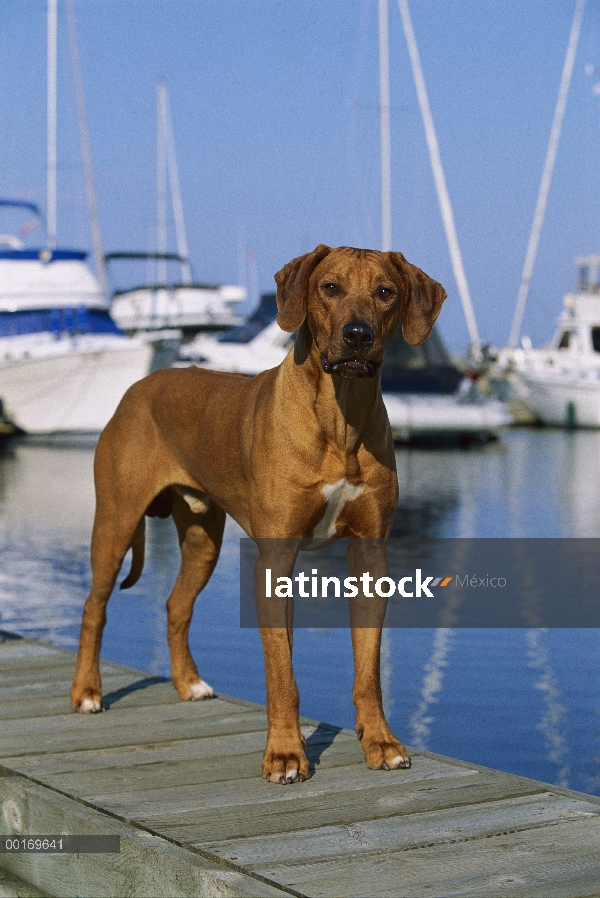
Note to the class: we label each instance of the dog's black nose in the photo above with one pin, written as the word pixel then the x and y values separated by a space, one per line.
pixel 358 335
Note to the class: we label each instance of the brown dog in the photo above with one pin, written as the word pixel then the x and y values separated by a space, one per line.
pixel 301 450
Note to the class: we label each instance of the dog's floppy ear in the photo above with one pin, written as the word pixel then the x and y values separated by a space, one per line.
pixel 423 298
pixel 292 288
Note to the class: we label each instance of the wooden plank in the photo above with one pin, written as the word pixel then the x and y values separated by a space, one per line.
pixel 60 671
pixel 414 830
pixel 22 676
pixel 59 688
pixel 14 887
pixel 223 764
pixel 334 808
pixel 168 752
pixel 146 864
pixel 86 737
pixel 561 860
pixel 157 803
pixel 31 657
pixel 49 699
pixel 22 653
pixel 118 717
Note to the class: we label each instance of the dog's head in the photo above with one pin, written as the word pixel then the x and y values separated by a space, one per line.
pixel 352 301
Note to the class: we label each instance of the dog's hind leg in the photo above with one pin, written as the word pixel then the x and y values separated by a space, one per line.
pixel 110 543
pixel 200 524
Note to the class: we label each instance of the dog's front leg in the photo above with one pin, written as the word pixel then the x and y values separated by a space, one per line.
pixel 382 750
pixel 284 760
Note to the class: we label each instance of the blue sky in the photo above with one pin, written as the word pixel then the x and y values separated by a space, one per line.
pixel 276 122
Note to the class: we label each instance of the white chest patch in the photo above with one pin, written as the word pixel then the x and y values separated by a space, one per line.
pixel 336 496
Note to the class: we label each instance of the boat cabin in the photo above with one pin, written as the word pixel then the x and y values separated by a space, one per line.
pixel 579 324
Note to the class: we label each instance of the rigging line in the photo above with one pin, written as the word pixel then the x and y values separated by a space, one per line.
pixel 363 222
pixel 182 245
pixel 51 125
pixel 440 180
pixel 86 152
pixel 161 182
pixel 542 200
pixel 384 120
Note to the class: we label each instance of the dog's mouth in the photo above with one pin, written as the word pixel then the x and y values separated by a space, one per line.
pixel 350 368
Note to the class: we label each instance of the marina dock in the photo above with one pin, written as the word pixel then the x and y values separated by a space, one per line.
pixel 180 784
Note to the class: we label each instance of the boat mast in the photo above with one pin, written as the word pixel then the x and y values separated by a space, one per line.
pixel 86 152
pixel 161 181
pixel 440 181
pixel 384 121
pixel 166 165
pixel 542 200
pixel 51 125
pixel 180 235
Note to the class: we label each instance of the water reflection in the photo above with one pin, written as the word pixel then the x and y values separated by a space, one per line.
pixel 46 513
pixel 552 718
pixel 522 700
pixel 532 483
pixel 420 722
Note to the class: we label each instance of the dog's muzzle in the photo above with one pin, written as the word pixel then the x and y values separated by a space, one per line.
pixel 350 368
pixel 358 337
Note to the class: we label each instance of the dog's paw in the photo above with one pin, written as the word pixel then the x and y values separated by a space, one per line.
pixel 285 766
pixel 89 703
pixel 200 690
pixel 384 753
pixel 192 688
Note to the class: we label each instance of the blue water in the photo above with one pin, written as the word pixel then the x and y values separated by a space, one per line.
pixel 525 701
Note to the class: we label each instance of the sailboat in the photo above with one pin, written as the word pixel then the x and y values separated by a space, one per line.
pixel 64 363
pixel 173 300
pixel 558 384
pixel 427 398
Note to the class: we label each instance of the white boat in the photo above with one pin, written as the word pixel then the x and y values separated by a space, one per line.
pixel 266 350
pixel 168 300
pixel 179 304
pixel 426 397
pixel 64 364
pixel 465 416
pixel 429 400
pixel 560 383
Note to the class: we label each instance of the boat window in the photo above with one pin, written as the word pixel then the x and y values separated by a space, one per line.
pixel 584 277
pixel 67 321
pixel 596 338
pixel 565 340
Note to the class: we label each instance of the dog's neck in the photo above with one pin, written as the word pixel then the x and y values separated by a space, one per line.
pixel 343 407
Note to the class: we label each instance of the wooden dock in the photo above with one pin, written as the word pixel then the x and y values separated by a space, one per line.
pixel 179 783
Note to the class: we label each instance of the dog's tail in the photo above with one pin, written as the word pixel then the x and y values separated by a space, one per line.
pixel 138 544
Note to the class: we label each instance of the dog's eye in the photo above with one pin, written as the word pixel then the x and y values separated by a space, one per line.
pixel 330 288
pixel 385 293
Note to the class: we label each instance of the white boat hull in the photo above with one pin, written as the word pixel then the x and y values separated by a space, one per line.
pixel 424 415
pixel 560 383
pixel 571 403
pixel 71 392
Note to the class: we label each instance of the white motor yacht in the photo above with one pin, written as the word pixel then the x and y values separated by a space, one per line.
pixel 64 363
pixel 560 383
pixel 173 304
pixel 166 296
